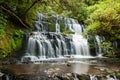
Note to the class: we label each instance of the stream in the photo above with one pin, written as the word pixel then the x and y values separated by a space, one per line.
pixel 74 69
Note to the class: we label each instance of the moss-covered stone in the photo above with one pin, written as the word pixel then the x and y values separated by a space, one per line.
pixel 67 32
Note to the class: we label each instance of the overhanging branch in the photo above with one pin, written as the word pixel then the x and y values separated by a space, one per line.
pixel 31 6
pixel 36 1
pixel 13 14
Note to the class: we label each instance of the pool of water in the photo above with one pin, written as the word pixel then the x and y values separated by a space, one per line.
pixel 79 66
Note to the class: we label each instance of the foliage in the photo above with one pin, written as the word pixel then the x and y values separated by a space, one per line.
pixel 11 41
pixel 104 20
pixel 4 48
pixel 107 48
pixel 3 22
pixel 18 34
pixel 91 2
pixel 75 9
pixel 17 37
pixel 3 54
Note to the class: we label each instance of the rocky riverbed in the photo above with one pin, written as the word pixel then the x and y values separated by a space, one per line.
pixel 90 69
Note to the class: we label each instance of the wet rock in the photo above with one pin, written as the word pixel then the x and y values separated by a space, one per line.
pixel 9 61
pixel 7 71
pixel 55 74
pixel 102 69
pixel 83 77
pixel 65 76
pixel 118 77
pixel 1 74
pixel 69 64
pixel 109 61
pixel 7 74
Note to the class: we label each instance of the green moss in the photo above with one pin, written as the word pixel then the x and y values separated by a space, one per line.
pixel 11 41
pixel 16 41
pixel 52 27
pixel 4 47
pixel 13 44
pixel 2 54
pixel 51 23
pixel 68 32
pixel 62 27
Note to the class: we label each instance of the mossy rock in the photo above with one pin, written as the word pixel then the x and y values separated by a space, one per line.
pixel 69 64
pixel 83 77
pixel 67 32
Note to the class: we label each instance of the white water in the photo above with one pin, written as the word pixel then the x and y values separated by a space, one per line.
pixel 57 26
pixel 98 77
pixel 54 45
pixel 80 43
pixel 99 50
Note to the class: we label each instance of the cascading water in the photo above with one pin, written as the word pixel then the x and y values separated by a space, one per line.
pixel 46 44
pixel 80 43
pixel 99 40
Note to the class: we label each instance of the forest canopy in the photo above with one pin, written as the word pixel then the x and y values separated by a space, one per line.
pixel 104 19
pixel 101 17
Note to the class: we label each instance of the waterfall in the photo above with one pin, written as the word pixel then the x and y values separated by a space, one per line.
pixel 98 49
pixel 46 44
pixel 57 27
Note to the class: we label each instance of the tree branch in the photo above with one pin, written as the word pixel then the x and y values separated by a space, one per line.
pixel 31 6
pixel 13 14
